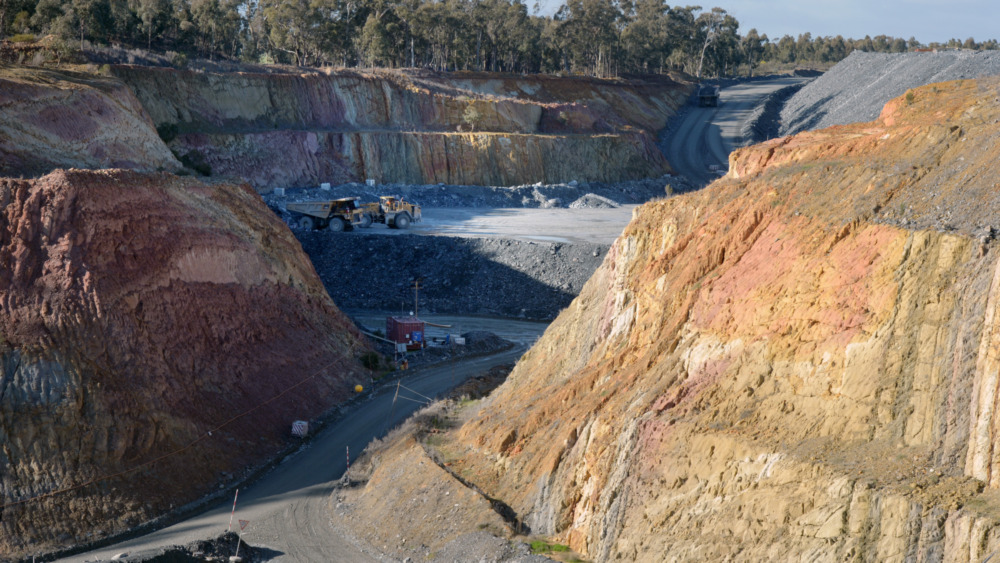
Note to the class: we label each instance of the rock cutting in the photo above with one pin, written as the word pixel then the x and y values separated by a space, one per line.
pixel 798 361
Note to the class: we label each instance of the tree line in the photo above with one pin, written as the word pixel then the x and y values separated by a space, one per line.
pixel 592 37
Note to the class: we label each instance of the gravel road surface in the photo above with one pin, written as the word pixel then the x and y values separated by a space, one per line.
pixel 704 136
pixel 287 509
pixel 522 332
pixel 572 226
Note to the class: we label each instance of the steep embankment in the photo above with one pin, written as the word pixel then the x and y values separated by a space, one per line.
pixel 280 130
pixel 856 88
pixel 54 119
pixel 799 362
pixel 157 334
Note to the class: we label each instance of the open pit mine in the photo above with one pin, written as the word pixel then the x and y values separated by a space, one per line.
pixel 800 362
pixel 414 127
pixel 160 327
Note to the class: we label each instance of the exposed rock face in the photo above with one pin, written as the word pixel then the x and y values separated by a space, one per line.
pixel 305 158
pixel 800 362
pixel 157 334
pixel 280 130
pixel 56 119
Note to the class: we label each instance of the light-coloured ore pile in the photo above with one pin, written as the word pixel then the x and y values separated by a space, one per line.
pixel 857 87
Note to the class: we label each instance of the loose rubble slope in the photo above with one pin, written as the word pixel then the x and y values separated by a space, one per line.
pixel 157 335
pixel 796 363
pixel 856 88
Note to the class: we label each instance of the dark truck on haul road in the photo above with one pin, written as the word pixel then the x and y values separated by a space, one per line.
pixel 708 95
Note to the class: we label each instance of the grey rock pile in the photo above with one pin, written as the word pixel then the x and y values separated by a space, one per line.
pixel 856 89
pixel 465 276
pixel 569 195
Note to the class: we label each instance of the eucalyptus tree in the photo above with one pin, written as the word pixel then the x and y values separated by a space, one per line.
pixel 592 32
pixel 646 38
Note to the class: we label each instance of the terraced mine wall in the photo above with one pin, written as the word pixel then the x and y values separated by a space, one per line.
pixel 283 130
pixel 158 336
pixel 798 362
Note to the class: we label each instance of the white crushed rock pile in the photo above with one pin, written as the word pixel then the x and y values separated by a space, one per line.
pixel 856 88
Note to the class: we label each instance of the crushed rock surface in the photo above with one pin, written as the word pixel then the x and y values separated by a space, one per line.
pixel 573 195
pixel 436 517
pixel 469 276
pixel 856 88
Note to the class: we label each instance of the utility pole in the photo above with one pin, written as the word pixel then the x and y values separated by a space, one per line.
pixel 416 297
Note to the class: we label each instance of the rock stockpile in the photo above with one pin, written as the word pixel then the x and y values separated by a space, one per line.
pixel 572 194
pixel 798 362
pixel 856 88
pixel 157 335
pixel 466 276
pixel 283 130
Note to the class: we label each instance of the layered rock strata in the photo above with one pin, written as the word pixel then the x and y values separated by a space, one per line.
pixel 53 119
pixel 280 130
pixel 157 335
pixel 798 363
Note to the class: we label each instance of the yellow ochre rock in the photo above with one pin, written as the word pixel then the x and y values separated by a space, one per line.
pixel 800 362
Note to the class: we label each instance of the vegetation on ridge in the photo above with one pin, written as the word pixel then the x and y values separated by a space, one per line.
pixel 597 37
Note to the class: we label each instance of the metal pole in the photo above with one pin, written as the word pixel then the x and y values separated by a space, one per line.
pixel 416 298
pixel 238 541
pixel 233 512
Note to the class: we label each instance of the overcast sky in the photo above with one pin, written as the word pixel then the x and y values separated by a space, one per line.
pixel 927 20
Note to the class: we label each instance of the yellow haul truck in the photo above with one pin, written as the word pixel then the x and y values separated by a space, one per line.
pixel 393 211
pixel 337 214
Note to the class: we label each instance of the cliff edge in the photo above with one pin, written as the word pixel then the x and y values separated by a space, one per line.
pixel 798 362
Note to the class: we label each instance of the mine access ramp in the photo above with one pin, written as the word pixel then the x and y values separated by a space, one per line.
pixel 708 95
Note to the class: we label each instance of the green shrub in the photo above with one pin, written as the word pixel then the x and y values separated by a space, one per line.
pixel 370 360
pixel 542 546
pixel 179 60
pixel 167 131
pixel 23 38
pixel 195 160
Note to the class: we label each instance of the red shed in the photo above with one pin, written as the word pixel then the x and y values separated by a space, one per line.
pixel 405 330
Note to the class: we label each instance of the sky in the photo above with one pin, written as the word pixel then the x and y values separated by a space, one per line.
pixel 927 20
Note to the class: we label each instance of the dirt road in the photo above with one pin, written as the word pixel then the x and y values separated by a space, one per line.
pixel 287 509
pixel 600 226
pixel 705 136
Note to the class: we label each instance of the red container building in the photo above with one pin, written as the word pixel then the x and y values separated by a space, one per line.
pixel 406 330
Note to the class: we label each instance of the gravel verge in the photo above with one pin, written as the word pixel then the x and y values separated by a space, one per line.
pixel 764 121
pixel 856 88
